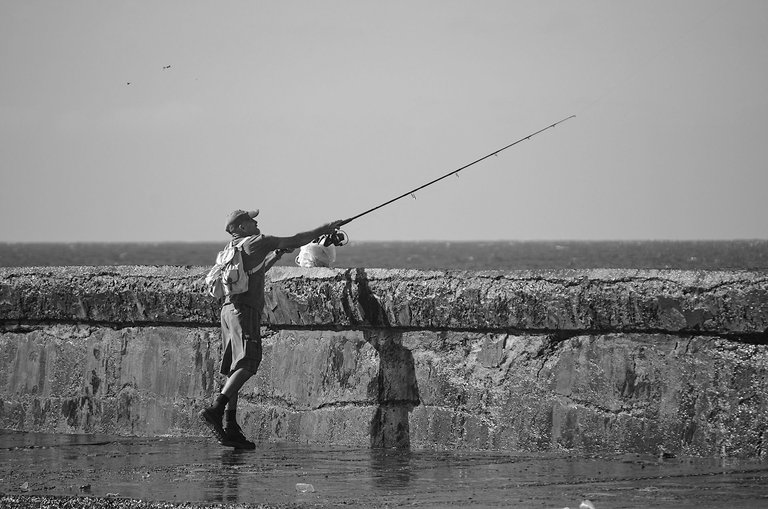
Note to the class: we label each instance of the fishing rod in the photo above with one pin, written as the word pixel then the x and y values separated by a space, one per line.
pixel 495 152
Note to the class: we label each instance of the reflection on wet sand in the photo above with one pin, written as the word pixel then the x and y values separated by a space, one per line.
pixel 226 487
pixel 391 468
pixel 199 470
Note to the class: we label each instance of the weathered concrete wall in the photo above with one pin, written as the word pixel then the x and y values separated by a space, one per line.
pixel 591 361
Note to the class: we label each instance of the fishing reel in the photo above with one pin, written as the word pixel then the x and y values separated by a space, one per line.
pixel 337 238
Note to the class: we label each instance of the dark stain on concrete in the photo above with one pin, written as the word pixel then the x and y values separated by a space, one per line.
pixel 71 410
pixel 125 404
pixel 95 382
pixel 41 374
pixel 124 343
pixel 336 353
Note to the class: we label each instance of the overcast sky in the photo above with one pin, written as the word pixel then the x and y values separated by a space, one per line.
pixel 318 110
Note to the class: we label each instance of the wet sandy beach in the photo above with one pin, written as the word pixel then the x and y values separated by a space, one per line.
pixel 39 470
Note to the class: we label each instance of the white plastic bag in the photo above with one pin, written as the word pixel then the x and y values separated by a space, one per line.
pixel 316 255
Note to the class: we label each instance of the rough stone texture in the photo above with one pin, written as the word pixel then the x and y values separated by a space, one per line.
pixel 591 361
pixel 567 300
pixel 71 378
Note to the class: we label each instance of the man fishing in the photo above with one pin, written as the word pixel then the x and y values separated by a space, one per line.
pixel 241 320
pixel 241 313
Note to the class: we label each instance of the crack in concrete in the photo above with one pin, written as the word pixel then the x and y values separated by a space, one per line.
pixel 589 405
pixel 750 338
pixel 285 404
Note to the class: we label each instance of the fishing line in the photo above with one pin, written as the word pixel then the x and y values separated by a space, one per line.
pixel 454 172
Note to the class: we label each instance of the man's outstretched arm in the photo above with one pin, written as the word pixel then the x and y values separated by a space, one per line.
pixel 300 239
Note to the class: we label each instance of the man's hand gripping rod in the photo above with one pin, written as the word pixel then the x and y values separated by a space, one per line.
pixel 495 152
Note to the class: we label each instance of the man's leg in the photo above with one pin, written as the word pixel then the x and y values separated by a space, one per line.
pixel 234 383
pixel 231 390
pixel 225 406
pixel 233 434
pixel 231 334
pixel 244 349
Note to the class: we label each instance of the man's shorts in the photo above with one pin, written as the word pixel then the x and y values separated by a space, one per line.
pixel 241 338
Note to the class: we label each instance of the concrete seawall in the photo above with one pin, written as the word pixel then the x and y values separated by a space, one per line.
pixel 590 361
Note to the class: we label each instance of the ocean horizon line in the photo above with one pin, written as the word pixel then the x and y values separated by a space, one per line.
pixel 424 254
pixel 367 241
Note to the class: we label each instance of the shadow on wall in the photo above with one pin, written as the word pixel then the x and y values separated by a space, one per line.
pixel 394 389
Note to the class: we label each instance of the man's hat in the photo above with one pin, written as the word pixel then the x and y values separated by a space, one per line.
pixel 237 214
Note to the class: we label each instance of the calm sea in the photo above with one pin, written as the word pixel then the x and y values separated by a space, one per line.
pixel 498 255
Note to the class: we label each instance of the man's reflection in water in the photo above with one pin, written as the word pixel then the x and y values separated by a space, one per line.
pixel 391 468
pixel 225 483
